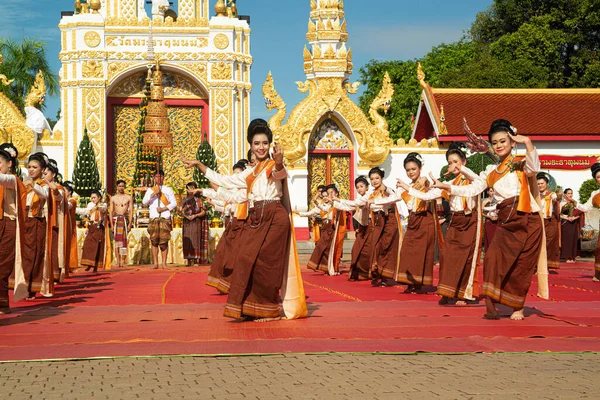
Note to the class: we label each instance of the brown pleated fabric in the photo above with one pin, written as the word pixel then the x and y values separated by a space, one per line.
pixel 221 268
pixel 512 258
pixel 33 260
pixel 361 253
pixel 93 247
pixel 569 248
pixel 54 254
pixel 489 233
pixel 416 254
pixel 259 266
pixel 552 243
pixel 386 242
pixel 8 238
pixel 320 255
pixel 456 257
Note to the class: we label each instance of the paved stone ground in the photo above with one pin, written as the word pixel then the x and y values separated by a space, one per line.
pixel 300 376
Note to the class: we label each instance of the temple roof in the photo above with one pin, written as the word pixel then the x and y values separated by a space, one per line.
pixel 547 114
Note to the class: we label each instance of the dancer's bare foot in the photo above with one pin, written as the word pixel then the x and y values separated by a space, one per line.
pixel 461 303
pixel 517 315
pixel 490 310
pixel 594 279
pixel 155 267
pixel 267 319
pixel 164 266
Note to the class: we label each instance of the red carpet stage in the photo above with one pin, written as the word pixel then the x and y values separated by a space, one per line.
pixel 139 311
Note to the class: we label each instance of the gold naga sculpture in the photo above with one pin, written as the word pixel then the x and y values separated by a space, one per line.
pixel 330 95
pixel 13 124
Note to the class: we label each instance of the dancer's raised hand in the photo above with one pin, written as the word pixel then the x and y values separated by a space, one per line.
pixel 277 153
pixel 401 184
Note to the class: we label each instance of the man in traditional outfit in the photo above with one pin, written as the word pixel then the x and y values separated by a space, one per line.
pixel 121 211
pixel 161 201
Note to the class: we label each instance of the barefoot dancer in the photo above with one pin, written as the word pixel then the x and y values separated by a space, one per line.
pixel 571 224
pixel 551 215
pixel 72 250
pixel 93 255
pixel 268 260
pixel 594 202
pixel 515 252
pixel 12 221
pixel 58 224
pixel 416 258
pixel 121 215
pixel 161 201
pixel 358 271
pixel 461 250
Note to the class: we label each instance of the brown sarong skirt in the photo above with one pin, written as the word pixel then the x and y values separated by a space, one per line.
pixel 33 259
pixel 456 257
pixel 8 238
pixel 570 239
pixel 221 268
pixel 416 254
pixel 259 263
pixel 361 254
pixel 160 233
pixel 552 243
pixel 54 260
pixel 488 233
pixel 386 241
pixel 512 258
pixel 320 256
pixel 93 247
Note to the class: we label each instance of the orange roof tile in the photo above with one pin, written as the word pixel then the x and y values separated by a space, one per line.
pixel 532 111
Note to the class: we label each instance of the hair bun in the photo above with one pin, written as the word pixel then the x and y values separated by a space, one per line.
pixel 595 169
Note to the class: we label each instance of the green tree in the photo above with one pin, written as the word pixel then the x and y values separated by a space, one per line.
pixel 22 61
pixel 206 155
pixel 586 189
pixel 85 175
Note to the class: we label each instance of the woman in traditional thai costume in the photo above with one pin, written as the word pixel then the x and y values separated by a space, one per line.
pixel 551 214
pixel 12 223
pixel 594 202
pixel 570 224
pixel 93 255
pixel 490 214
pixel 317 199
pixel 518 245
pixel 35 268
pixel 268 260
pixel 226 202
pixel 72 250
pixel 360 267
pixel 57 229
pixel 195 227
pixel 416 258
pixel 386 230
pixel 460 252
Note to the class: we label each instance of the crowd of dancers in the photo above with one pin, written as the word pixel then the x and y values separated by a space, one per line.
pixel 256 262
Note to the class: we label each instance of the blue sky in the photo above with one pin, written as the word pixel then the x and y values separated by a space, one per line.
pixel 382 30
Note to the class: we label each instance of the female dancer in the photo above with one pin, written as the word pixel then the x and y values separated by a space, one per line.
pixel 460 251
pixel 594 202
pixel 195 227
pixel 515 251
pixel 34 259
pixel 72 256
pixel 570 225
pixel 225 201
pixel 359 271
pixel 416 260
pixel 386 232
pixel 93 255
pixel 260 267
pixel 551 215
pixel 12 220
pixel 57 232
pixel 491 218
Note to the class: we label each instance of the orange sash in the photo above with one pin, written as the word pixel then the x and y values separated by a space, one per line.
pixel 420 205
pixel 377 193
pixel 35 201
pixel 462 181
pixel 243 208
pixel 548 204
pixel 596 200
pixel 163 198
pixel 524 204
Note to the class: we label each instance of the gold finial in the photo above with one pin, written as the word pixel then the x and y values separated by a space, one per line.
pixel 221 8
pixel 95 6
pixel 306 54
pixel 313 4
pixel 442 126
pixel 37 93
pixel 311 26
pixel 317 51
pixel 342 52
pixel 421 76
pixel 329 53
pixel 412 122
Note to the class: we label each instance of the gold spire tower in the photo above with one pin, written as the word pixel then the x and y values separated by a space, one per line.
pixel 157 133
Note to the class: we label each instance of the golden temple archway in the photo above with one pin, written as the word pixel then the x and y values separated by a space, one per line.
pixel 188 113
pixel 331 157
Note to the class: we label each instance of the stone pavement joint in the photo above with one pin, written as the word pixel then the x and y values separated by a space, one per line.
pixel 303 376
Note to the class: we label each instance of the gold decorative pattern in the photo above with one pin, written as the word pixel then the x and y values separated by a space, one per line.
pixel 51 138
pixel 141 56
pixel 92 69
pixel 93 99
pixel 186 127
pixel 92 39
pixel 340 174
pixel 117 68
pixel 317 175
pixel 221 71
pixel 221 41
pixel 221 125
pixel 175 85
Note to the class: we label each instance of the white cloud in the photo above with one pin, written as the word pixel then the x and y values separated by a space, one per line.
pixel 399 42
